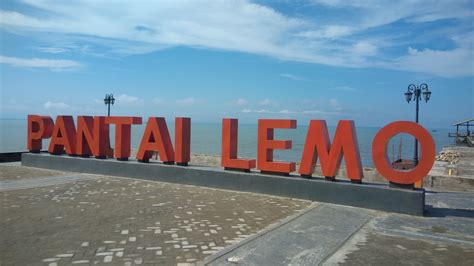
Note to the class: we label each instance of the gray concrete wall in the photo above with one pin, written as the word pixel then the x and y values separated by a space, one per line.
pixel 6 157
pixel 370 196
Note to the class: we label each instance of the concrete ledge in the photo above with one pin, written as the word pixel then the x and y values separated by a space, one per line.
pixel 6 157
pixel 370 196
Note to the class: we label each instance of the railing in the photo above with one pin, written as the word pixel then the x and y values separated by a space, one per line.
pixel 457 135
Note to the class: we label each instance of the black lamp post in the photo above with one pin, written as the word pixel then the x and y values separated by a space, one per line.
pixel 416 92
pixel 109 100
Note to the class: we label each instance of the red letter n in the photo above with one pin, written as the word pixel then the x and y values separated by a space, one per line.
pixel 92 136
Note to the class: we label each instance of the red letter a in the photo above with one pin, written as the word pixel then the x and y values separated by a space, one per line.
pixel 156 138
pixel 64 136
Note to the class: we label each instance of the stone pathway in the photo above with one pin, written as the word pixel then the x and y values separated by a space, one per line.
pixel 39 182
pixel 338 235
pixel 87 219
pixel 14 171
pixel 69 219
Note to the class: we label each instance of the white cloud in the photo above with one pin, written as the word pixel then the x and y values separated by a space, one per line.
pixel 334 104
pixel 452 63
pixel 158 101
pixel 365 48
pixel 55 105
pixel 259 111
pixel 293 77
pixel 345 88
pixel 319 112
pixel 291 112
pixel 127 99
pixel 327 32
pixel 266 102
pixel 285 111
pixel 241 101
pixel 244 26
pixel 186 102
pixel 53 64
pixel 382 12
pixel 52 50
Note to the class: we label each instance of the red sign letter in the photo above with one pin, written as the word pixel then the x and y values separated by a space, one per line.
pixel 39 128
pixel 266 145
pixel 123 126
pixel 92 136
pixel 182 140
pixel 156 138
pixel 229 147
pixel 330 156
pixel 64 136
pixel 379 152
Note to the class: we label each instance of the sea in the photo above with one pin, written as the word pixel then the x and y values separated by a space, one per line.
pixel 206 139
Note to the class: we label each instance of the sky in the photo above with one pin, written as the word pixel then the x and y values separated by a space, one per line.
pixel 302 59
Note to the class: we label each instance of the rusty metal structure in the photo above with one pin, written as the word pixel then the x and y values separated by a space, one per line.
pixel 464 137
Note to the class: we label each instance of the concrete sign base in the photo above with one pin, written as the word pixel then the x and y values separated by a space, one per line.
pixel 370 196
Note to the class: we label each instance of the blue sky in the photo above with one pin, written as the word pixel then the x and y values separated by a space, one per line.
pixel 314 59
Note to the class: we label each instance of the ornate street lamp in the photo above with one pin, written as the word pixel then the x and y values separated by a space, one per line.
pixel 109 100
pixel 417 93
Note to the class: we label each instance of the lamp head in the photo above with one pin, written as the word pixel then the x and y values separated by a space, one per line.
pixel 408 96
pixel 109 99
pixel 426 92
pixel 427 95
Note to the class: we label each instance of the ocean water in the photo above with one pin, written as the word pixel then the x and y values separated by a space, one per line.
pixel 206 139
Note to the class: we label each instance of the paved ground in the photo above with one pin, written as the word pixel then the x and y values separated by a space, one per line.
pixel 14 171
pixel 337 235
pixel 58 218
pixel 77 218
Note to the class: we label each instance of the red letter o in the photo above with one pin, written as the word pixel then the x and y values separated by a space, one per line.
pixel 379 152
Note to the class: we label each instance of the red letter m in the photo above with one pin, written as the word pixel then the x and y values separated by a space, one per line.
pixel 330 156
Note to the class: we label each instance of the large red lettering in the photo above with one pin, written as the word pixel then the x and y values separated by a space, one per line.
pixel 382 163
pixel 156 138
pixel 92 136
pixel 266 145
pixel 229 159
pixel 64 136
pixel 123 127
pixel 182 140
pixel 39 128
pixel 330 156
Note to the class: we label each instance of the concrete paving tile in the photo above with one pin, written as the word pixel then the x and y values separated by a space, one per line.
pixel 372 248
pixel 306 240
pixel 102 221
pixel 14 172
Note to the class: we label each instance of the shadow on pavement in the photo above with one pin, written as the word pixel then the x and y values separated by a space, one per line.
pixel 431 211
